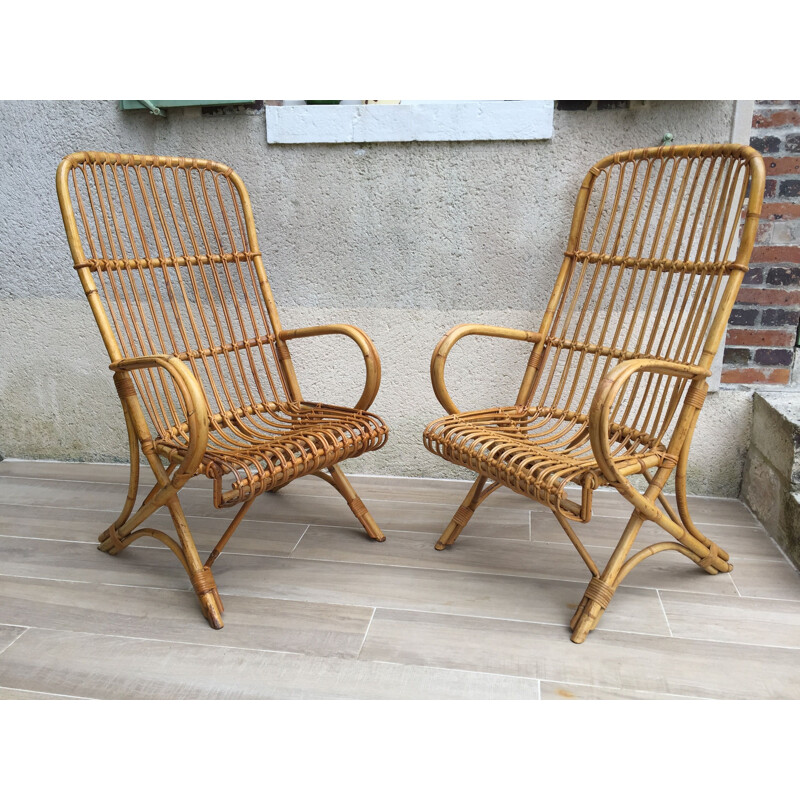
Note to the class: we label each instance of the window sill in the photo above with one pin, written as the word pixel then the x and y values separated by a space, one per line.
pixel 413 122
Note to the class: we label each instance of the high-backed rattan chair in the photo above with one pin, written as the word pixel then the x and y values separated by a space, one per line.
pixel 617 375
pixel 166 251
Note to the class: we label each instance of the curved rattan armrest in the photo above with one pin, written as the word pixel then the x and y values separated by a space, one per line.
pixel 607 391
pixel 191 395
pixel 442 350
pixel 371 360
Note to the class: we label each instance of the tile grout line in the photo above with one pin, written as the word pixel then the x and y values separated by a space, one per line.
pixel 25 629
pixel 49 694
pixel 366 632
pixel 666 618
pixel 291 551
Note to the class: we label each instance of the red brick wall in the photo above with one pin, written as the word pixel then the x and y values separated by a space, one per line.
pixel 763 326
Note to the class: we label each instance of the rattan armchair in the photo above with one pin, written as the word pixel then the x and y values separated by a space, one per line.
pixel 166 252
pixel 617 375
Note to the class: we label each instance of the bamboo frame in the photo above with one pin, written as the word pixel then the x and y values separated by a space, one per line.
pixel 617 375
pixel 167 254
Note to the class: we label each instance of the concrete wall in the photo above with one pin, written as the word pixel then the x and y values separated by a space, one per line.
pixel 404 240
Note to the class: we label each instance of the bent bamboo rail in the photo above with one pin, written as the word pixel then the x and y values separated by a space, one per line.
pixel 167 255
pixel 617 376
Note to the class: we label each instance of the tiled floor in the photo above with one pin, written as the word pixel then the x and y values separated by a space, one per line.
pixel 313 609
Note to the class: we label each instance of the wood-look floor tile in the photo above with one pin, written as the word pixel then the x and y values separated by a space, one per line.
pixel 22 694
pixel 740 542
pixel 111 667
pixel 280 507
pixel 136 566
pixel 715 510
pixel 530 559
pixel 9 634
pixel 573 691
pixel 777 580
pixel 502 596
pixel 81 525
pixel 747 620
pixel 250 622
pixel 615 660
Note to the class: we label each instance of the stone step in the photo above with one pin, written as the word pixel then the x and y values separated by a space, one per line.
pixel 771 479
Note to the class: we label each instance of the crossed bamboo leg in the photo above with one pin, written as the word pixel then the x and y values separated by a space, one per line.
pixel 690 542
pixel 126 530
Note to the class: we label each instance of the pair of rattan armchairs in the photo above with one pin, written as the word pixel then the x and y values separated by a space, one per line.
pixel 166 252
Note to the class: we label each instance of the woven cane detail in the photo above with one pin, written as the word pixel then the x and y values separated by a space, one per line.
pixel 203 582
pixel 357 507
pixel 462 516
pixel 713 553
pixel 125 386
pixel 696 395
pixel 599 592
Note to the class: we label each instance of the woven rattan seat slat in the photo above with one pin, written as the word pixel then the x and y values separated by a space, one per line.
pixel 617 375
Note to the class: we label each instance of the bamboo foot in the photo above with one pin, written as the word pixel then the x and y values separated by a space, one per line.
pixel 449 536
pixel 108 543
pixel 595 600
pixel 371 527
pixel 212 609
pixel 587 622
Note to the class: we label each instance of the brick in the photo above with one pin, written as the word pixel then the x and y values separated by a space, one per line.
pixel 765 144
pixel 767 255
pixel 789 165
pixel 775 119
pixel 770 187
pixel 764 233
pixel 780 316
pixel 774 357
pixel 738 356
pixel 789 189
pixel 757 337
pixel 786 231
pixel 754 276
pixel 784 276
pixel 791 143
pixel 776 211
pixel 746 316
pixel 768 297
pixel 752 375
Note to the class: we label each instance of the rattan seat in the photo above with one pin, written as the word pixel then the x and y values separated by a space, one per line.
pixel 619 366
pixel 267 450
pixel 538 453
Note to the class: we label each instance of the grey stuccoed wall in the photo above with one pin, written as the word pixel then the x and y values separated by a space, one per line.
pixel 404 240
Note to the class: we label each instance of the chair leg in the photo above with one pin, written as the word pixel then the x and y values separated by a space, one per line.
pixel 600 590
pixel 126 530
pixel 201 576
pixel 475 496
pixel 343 486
